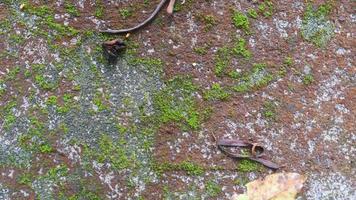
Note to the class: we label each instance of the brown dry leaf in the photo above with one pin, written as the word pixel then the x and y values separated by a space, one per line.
pixel 279 186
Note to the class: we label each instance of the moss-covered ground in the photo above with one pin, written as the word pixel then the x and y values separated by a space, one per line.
pixel 74 126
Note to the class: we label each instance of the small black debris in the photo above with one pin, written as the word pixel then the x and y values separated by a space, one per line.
pixel 112 49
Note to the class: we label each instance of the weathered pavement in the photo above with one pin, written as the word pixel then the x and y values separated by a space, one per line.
pixel 74 127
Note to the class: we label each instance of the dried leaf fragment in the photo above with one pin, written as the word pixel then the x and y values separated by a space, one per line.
pixel 279 186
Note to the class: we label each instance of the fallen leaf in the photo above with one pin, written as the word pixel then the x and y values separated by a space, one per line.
pixel 279 186
pixel 240 197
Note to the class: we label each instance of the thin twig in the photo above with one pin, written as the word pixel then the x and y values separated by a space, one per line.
pixel 150 18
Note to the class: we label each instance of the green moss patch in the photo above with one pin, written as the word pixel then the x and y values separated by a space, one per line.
pixel 266 8
pixel 71 9
pixel 308 79
pixel 189 167
pixel 240 48
pixel 269 111
pixel 222 60
pixel 47 21
pixel 316 27
pixel 208 20
pixel 213 189
pixel 245 165
pixel 241 21
pixel 176 103
pixel 216 93
pixel 257 78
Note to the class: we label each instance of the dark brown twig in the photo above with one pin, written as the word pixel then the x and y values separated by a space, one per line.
pixel 170 6
pixel 150 18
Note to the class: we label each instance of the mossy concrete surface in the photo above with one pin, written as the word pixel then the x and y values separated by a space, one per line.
pixel 74 126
